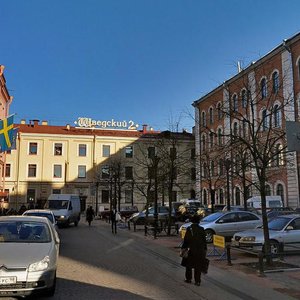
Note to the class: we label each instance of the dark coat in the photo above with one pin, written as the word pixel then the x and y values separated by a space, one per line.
pixel 90 214
pixel 195 240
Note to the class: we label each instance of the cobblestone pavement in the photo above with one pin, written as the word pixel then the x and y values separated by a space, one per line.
pixel 95 264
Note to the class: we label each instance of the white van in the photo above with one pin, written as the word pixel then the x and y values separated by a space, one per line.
pixel 65 207
pixel 271 202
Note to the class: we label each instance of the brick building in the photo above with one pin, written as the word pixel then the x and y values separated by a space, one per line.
pixel 250 109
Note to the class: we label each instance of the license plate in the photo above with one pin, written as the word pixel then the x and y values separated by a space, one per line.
pixel 8 280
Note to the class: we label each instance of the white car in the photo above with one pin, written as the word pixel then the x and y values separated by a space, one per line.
pixel 46 213
pixel 29 249
pixel 284 229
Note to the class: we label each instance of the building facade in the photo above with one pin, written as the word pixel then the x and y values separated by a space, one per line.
pixel 104 166
pixel 5 101
pixel 248 110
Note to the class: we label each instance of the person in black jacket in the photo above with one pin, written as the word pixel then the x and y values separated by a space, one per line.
pixel 195 241
pixel 90 214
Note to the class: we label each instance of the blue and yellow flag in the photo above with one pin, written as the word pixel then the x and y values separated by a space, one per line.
pixel 7 134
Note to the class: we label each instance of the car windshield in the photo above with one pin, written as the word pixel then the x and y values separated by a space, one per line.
pixel 41 214
pixel 212 217
pixel 57 204
pixel 278 224
pixel 24 232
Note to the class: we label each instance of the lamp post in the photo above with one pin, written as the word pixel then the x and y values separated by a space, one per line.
pixel 227 168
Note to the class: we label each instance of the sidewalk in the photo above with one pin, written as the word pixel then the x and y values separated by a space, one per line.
pixel 284 280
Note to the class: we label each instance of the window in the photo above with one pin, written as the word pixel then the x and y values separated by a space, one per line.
pixel 151 152
pixel 56 191
pixel 31 170
pixel 277 116
pixel 81 171
pixel 82 150
pixel 7 170
pixel 211 115
pixel 235 130
pixel 268 190
pixel 275 81
pixel 128 173
pixel 128 196
pixel 193 173
pixel 219 108
pixel 211 139
pixel 31 196
pixel 106 150
pixel 221 167
pixel 105 172
pixel 265 122
pixel 219 136
pixel 203 119
pixel 33 148
pixel 279 190
pixel 279 156
pixel 129 152
pixel 235 103
pixel 57 149
pixel 237 196
pixel 212 168
pixel 203 142
pixel 263 88
pixel 57 172
pixel 244 98
pixel 193 153
pixel 105 196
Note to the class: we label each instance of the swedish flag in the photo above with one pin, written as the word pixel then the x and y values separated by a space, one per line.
pixel 7 133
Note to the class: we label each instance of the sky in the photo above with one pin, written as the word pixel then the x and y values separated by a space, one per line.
pixel 140 60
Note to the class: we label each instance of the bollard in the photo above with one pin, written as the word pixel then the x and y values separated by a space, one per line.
pixel 228 255
pixel 261 264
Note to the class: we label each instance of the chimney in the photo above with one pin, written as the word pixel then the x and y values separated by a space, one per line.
pixel 44 123
pixel 68 126
pixel 145 128
pixel 23 121
pixel 34 122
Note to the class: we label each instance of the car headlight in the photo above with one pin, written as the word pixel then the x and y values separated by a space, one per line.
pixel 248 239
pixel 40 265
pixel 62 217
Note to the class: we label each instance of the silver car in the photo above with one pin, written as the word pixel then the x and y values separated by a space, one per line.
pixel 29 248
pixel 284 229
pixel 226 223
pixel 46 213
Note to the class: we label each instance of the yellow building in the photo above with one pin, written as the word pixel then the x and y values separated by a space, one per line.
pixel 103 161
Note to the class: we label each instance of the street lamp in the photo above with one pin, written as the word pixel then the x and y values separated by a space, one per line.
pixel 227 168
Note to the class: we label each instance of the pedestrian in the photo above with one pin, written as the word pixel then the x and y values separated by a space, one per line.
pixel 113 220
pixel 195 242
pixel 90 214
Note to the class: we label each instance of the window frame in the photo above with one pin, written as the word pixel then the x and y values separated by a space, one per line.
pixel 31 148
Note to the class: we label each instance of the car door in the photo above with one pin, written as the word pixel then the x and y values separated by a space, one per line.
pixel 292 235
pixel 247 220
pixel 226 225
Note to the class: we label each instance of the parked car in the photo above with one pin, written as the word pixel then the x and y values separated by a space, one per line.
pixel 279 211
pixel 28 256
pixel 46 213
pixel 283 229
pixel 139 218
pixel 226 223
pixel 241 208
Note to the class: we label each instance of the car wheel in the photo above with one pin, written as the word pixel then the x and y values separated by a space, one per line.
pixel 274 246
pixel 50 292
pixel 209 235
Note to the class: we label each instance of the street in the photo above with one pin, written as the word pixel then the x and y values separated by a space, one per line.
pixel 95 264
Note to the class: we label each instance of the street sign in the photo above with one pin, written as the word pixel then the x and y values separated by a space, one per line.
pixel 219 241
pixel 293 135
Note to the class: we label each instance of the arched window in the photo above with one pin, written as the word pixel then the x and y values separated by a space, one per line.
pixel 203 119
pixel 275 81
pixel 211 115
pixel 221 196
pixel 277 116
pixel 212 168
pixel 204 173
pixel 244 129
pixel 203 142
pixel 219 108
pixel 237 196
pixel 279 191
pixel 279 161
pixel 265 122
pixel 211 140
pixel 220 137
pixel 235 129
pixel 244 98
pixel 204 197
pixel 263 88
pixel 234 102
pixel 268 190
